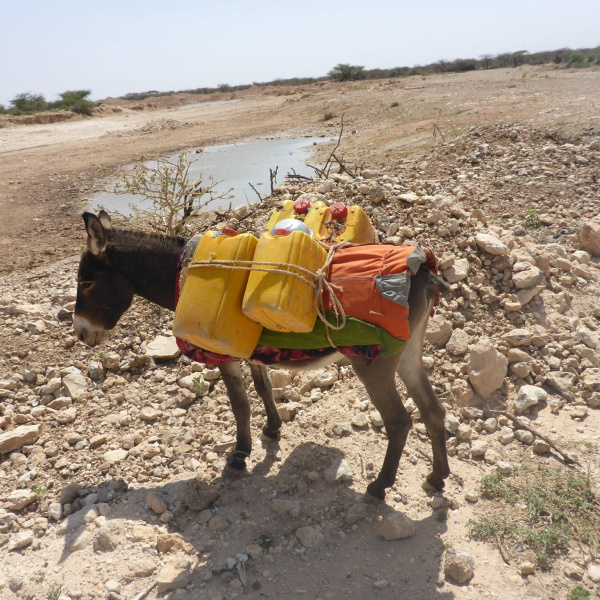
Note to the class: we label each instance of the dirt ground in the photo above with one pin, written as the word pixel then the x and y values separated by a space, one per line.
pixel 130 438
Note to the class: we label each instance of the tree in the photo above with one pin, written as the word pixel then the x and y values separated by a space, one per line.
pixel 518 58
pixel 28 102
pixel 346 72
pixel 486 60
pixel 76 101
pixel 441 66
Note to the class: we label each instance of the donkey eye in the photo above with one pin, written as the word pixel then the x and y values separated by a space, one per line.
pixel 86 285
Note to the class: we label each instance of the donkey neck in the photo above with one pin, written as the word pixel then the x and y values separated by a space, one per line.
pixel 148 261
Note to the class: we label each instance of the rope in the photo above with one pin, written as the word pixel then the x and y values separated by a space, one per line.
pixel 317 280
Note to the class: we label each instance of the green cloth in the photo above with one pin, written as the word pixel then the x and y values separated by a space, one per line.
pixel 355 333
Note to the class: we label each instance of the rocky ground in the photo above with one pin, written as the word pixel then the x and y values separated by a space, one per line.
pixel 111 476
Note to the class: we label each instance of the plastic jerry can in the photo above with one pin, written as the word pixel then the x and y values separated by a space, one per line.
pixel 353 225
pixel 359 229
pixel 287 212
pixel 284 302
pixel 209 312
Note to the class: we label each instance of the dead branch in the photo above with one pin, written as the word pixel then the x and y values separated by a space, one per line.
pixel 273 179
pixel 502 551
pixel 569 460
pixel 261 199
pixel 436 128
pixel 327 167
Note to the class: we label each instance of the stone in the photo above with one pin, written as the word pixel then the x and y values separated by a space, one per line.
pixel 588 236
pixel 528 279
pixel 156 503
pixel 288 411
pixel 74 385
pixel 19 499
pixel 218 523
pixel 357 512
pixel 138 568
pixel 517 337
pixel 458 344
pixel 149 414
pixel 55 511
pixel 525 296
pixel 177 573
pixel 439 331
pixel 163 348
pixel 340 470
pixel 507 436
pixel 458 271
pixel 463 392
pixel 487 368
pixel 593 573
pixel 521 369
pixel 309 536
pixel 561 381
pixel 395 527
pixel 66 415
pixel 591 379
pixel 527 568
pixel 69 493
pixel 491 244
pixel 541 447
pixel 116 456
pixel 478 448
pixel 25 435
pixel 287 506
pixel 573 571
pixel 472 496
pixel 409 197
pixel 108 538
pixel 280 378
pixel 20 540
pixel 529 395
pixel 78 519
pixel 98 440
pixel 325 379
pixel 524 436
pixel 376 419
pixel 144 534
pixel 81 539
pixel 458 566
pixel 361 420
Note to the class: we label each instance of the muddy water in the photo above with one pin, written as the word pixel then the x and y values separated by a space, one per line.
pixel 234 167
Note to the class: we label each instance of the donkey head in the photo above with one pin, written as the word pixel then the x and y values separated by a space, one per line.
pixel 103 292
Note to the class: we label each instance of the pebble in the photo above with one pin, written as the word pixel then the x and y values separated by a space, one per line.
pixel 309 536
pixel 458 566
pixel 395 526
pixel 340 470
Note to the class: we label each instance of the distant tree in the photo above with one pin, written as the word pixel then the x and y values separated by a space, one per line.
pixel 346 72
pixel 503 60
pixel 518 58
pixel 486 60
pixel 224 87
pixel 441 66
pixel 28 102
pixel 75 101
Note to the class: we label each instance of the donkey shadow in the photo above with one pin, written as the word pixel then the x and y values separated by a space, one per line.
pixel 259 513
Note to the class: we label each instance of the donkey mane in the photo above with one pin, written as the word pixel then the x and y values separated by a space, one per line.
pixel 139 241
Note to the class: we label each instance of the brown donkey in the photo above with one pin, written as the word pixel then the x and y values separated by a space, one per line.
pixel 119 264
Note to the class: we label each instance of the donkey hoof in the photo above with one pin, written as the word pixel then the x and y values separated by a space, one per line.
pixel 269 436
pixel 235 463
pixel 374 496
pixel 432 484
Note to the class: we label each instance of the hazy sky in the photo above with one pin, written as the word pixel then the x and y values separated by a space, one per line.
pixel 117 46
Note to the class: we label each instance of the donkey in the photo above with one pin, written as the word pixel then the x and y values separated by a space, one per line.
pixel 119 264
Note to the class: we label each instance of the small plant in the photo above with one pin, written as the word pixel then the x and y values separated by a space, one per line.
pixel 532 219
pixel 549 510
pixel 53 592
pixel 534 137
pixel 100 356
pixel 40 490
pixel 328 116
pixel 40 577
pixel 199 386
pixel 394 104
pixel 175 200
pixel 579 593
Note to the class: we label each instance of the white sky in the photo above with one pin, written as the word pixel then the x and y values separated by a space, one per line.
pixel 118 46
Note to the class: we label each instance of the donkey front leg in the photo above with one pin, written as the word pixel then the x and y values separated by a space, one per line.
pixel 379 378
pixel 236 390
pixel 262 383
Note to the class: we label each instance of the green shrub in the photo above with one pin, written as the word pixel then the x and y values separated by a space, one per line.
pixel 394 104
pixel 28 103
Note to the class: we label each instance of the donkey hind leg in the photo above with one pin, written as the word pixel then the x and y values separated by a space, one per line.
pixel 236 390
pixel 262 383
pixel 379 379
pixel 413 375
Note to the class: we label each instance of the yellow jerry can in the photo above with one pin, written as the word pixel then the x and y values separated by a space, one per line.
pixel 359 229
pixel 355 227
pixel 278 301
pixel 279 215
pixel 209 312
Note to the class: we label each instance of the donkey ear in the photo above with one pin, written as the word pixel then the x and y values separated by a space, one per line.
pixel 96 240
pixel 105 220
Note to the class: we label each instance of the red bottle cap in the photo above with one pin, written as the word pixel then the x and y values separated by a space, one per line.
pixel 301 206
pixel 339 211
pixel 228 231
pixel 282 232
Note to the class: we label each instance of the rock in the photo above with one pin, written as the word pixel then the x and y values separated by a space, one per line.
pixel 529 395
pixel 527 568
pixel 357 512
pixel 517 337
pixel 73 385
pixel 144 534
pixel 55 511
pixel 163 348
pixel 149 414
pixel 287 506
pixel 521 369
pixel 458 344
pixel 472 496
pixel 561 381
pixel 78 519
pixel 340 470
pixel 69 493
pixel 525 296
pixel 593 573
pixel 66 415
pixel 15 584
pixel 309 536
pixel 573 571
pixel 24 435
pixel 458 566
pixel 504 467
pixel 439 331
pixel 19 499
pixel 487 368
pixel 528 279
pixel 524 436
pixel 478 448
pixel 589 236
pixel 409 197
pixel 136 569
pixel 395 527
pixel 81 539
pixel 458 271
pixel 325 379
pixel 491 244
pixel 20 540
pixel 376 419
pixel 462 392
pixel 591 379
pixel 177 573
pixel 98 440
pixel 288 411
pixel 541 447
pixel 108 538
pixel 280 378
pixel 218 523
pixel 507 436
pixel 361 420
pixel 156 503
pixel 115 456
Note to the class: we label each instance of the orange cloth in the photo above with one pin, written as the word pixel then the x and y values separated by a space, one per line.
pixel 354 269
